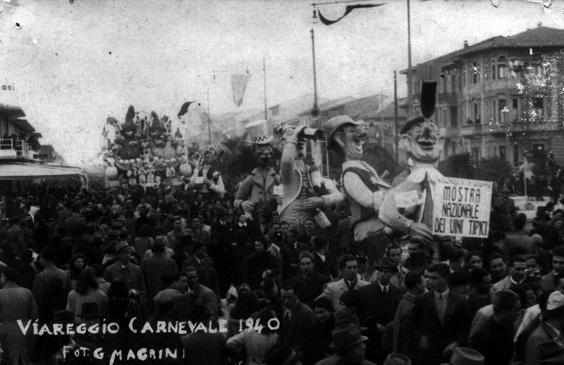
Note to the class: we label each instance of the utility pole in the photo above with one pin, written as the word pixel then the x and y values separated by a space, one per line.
pixel 315 110
pixel 396 114
pixel 209 120
pixel 409 83
pixel 264 81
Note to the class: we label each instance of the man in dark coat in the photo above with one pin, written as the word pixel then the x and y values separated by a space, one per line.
pixel 439 317
pixel 298 318
pixel 495 339
pixel 260 265
pixel 376 306
pixel 204 265
pixel 309 283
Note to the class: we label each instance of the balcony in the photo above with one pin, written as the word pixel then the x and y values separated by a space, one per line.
pixel 471 130
pixel 15 149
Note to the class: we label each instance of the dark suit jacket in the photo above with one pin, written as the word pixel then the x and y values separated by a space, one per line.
pixel 307 289
pixel 370 303
pixel 320 266
pixel 425 320
pixel 374 308
pixel 296 331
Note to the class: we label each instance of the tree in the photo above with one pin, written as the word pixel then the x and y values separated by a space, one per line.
pixel 494 169
pixel 458 166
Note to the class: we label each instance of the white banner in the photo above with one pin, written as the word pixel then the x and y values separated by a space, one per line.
pixel 239 85
pixel 462 208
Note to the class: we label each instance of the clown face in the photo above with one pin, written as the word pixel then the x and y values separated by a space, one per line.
pixel 351 139
pixel 424 142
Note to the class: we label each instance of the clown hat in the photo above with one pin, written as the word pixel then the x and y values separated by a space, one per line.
pixel 257 132
pixel 428 101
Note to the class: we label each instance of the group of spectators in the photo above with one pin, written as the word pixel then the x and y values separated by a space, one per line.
pixel 177 254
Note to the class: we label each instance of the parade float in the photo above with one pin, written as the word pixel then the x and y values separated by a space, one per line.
pixel 144 150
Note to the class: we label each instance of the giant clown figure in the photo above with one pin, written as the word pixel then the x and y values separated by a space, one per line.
pixel 256 192
pixel 362 186
pixel 408 207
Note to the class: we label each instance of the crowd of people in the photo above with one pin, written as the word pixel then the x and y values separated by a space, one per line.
pixel 318 274
pixel 177 254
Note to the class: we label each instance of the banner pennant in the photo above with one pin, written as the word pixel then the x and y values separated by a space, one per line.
pixel 348 9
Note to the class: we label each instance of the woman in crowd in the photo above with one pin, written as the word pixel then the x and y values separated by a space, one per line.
pixel 86 301
pixel 77 264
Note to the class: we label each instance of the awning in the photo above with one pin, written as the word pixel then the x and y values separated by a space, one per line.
pixel 11 112
pixel 23 124
pixel 23 171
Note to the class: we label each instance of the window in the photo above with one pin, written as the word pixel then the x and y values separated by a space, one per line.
pixel 476 154
pixel 494 111
pixel 493 69
pixel 501 68
pixel 475 73
pixel 476 113
pixel 501 110
pixel 503 152
pixel 538 103
pixel 515 104
pixel 453 116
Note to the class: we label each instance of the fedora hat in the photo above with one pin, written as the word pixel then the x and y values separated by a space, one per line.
pixel 466 356
pixel 386 263
pixel 345 336
pixel 397 359
pixel 335 123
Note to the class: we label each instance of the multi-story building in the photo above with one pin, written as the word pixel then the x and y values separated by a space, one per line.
pixel 21 162
pixel 481 105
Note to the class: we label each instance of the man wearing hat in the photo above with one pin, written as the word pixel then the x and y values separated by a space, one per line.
pixel 408 208
pixel 546 344
pixel 349 346
pixel 362 185
pixel 124 270
pixel 304 191
pixel 257 189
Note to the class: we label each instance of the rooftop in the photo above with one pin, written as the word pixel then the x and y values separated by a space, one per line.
pixel 536 37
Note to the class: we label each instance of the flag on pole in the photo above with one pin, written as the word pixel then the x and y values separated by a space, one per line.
pixel 348 9
pixel 239 85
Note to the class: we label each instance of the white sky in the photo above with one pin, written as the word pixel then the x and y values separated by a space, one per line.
pixel 72 65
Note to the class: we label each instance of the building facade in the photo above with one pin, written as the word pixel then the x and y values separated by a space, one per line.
pixel 18 138
pixel 498 98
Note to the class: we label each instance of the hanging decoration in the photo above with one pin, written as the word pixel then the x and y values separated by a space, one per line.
pixel 348 9
pixel 239 84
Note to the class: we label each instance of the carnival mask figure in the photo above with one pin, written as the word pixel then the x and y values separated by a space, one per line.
pixel 304 191
pixel 256 191
pixel 423 142
pixel 408 208
pixel 362 186
pixel 351 138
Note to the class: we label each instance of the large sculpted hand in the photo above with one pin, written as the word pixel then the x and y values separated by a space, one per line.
pixel 294 134
pixel 247 206
pixel 422 231
pixel 312 203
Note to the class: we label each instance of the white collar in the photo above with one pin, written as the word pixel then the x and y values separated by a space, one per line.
pixel 417 175
pixel 443 294
pixel 383 287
